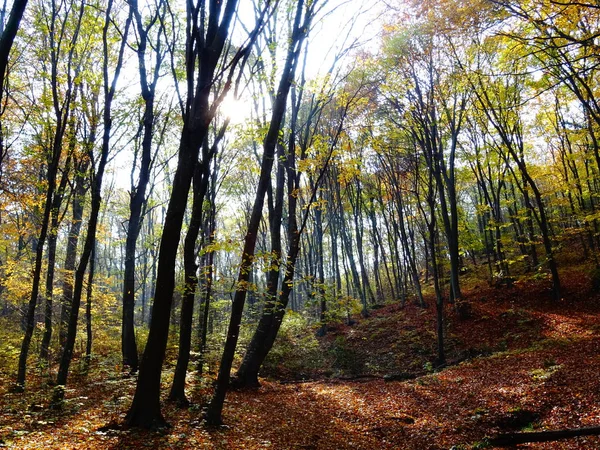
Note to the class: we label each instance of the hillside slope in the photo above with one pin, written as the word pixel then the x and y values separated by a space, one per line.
pixel 519 362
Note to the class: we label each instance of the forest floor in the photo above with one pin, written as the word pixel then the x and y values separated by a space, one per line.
pixel 520 362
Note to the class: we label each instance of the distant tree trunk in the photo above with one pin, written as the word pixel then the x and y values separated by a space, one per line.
pixel 391 240
pixel 335 261
pixel 88 308
pixel 406 244
pixel 376 249
pixel 30 316
pixel 62 110
pixel 439 304
pixel 511 135
pixel 52 238
pixel 357 207
pixel 348 249
pixel 72 242
pixel 320 268
pixel 431 242
pixel 207 276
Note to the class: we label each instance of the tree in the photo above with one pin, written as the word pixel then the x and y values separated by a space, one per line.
pixel 57 29
pixel 501 103
pixel 205 43
pixel 301 25
pixel 109 86
pixel 138 199
pixel 7 38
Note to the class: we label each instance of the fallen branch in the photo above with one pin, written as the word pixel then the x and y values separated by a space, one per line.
pixel 359 376
pixel 508 439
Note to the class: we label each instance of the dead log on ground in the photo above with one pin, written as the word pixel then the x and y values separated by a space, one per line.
pixel 508 439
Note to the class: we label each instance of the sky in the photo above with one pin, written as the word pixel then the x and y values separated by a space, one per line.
pixel 341 23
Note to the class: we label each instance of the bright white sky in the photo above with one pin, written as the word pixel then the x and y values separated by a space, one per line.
pixel 340 25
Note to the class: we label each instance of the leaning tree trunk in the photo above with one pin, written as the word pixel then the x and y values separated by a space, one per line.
pixel 271 320
pixel 299 30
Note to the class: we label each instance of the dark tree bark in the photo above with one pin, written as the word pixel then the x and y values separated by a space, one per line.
pixel 137 200
pixel 96 189
pixel 204 46
pixel 201 180
pixel 61 110
pixel 298 32
pixel 511 135
pixel 431 223
pixel 320 266
pixel 79 191
pixel 207 273
pixel 51 257
pixel 8 37
pixel 271 319
pixel 357 200
pixel 88 308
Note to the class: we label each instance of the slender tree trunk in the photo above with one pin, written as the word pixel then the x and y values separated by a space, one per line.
pixel 88 308
pixel 90 240
pixel 71 251
pixel 299 30
pixel 200 185
pixel 52 238
pixel 207 281
pixel 137 199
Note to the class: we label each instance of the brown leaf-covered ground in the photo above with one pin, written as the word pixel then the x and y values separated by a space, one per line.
pixel 538 368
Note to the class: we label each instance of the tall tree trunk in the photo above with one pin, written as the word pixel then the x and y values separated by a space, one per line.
pixel 52 238
pixel 90 239
pixel 88 308
pixel 207 278
pixel 137 199
pixel 299 29
pixel 203 52
pixel 200 186
pixel 62 110
pixel 72 242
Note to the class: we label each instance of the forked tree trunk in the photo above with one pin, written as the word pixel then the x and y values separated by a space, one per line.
pixel 145 409
pixel 200 186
